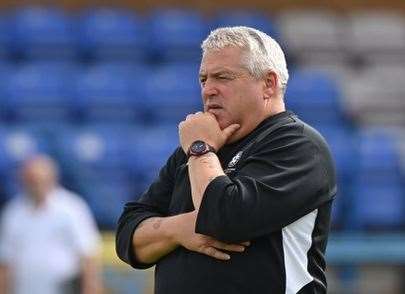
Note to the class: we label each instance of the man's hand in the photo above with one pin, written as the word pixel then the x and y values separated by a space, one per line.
pixel 204 126
pixel 186 236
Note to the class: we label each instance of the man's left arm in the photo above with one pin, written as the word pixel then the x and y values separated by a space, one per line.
pixel 203 169
pixel 90 275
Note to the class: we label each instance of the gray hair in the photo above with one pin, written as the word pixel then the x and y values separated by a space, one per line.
pixel 263 52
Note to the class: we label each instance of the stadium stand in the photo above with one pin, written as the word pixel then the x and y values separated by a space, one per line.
pixel 175 34
pixel 250 18
pixel 42 32
pixel 376 35
pixel 172 91
pixel 142 80
pixel 313 35
pixel 111 34
pixel 103 90
pixel 110 91
pixel 39 91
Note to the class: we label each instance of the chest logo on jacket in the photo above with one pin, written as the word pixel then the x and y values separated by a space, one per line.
pixel 231 165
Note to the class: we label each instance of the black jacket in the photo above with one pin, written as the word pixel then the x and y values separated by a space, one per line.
pixel 277 194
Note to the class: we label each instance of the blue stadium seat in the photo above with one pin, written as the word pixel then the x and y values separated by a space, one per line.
pixel 95 149
pixel 41 32
pixel 172 92
pixel 111 92
pixel 379 198
pixel 379 203
pixel 151 149
pixel 5 71
pixel 5 36
pixel 343 143
pixel 379 152
pixel 249 18
pixel 315 97
pixel 106 199
pixel 112 34
pixel 40 91
pixel 176 35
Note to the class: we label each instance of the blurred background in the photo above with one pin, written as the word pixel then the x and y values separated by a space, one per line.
pixel 101 88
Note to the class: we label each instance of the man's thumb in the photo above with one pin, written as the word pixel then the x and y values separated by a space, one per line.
pixel 229 130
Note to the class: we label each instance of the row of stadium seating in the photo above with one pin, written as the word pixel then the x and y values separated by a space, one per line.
pixel 55 92
pixel 110 164
pixel 144 93
pixel 174 34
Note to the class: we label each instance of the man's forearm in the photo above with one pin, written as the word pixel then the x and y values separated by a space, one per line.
pixel 91 280
pixel 154 238
pixel 202 170
pixel 4 279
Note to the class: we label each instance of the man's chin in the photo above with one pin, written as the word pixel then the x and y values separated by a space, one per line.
pixel 222 123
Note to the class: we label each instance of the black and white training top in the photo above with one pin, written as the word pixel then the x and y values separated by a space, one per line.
pixel 277 193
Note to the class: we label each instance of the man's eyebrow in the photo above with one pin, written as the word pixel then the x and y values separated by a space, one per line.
pixel 217 72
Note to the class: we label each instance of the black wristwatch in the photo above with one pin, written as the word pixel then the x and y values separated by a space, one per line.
pixel 198 148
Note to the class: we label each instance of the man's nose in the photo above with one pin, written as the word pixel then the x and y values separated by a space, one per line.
pixel 209 89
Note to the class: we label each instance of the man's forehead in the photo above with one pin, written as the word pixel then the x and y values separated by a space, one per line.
pixel 228 58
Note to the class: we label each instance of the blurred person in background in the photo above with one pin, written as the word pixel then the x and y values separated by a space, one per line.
pixel 49 241
pixel 243 206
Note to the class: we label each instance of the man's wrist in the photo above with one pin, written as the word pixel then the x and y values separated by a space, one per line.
pixel 199 148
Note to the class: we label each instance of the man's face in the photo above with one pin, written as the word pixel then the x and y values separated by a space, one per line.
pixel 38 179
pixel 229 91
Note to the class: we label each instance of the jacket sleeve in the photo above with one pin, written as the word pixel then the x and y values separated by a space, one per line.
pixel 279 182
pixel 154 202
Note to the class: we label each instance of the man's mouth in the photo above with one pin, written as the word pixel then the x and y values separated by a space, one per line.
pixel 213 107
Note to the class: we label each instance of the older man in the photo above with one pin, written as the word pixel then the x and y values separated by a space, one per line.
pixel 49 240
pixel 244 205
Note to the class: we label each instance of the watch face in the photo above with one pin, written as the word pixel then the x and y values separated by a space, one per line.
pixel 198 147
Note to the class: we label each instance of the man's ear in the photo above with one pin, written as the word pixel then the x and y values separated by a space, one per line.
pixel 270 84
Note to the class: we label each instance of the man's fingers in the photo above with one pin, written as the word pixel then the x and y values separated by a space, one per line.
pixel 228 131
pixel 228 247
pixel 247 243
pixel 213 252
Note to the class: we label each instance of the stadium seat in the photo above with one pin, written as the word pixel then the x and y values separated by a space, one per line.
pixel 5 36
pixel 369 102
pixel 112 34
pixel 376 35
pixel 40 91
pixel 378 203
pixel 315 97
pixel 172 92
pixel 106 198
pixel 378 198
pixel 312 35
pixel 343 142
pixel 5 71
pixel 379 152
pixel 95 148
pixel 175 35
pixel 150 152
pixel 43 32
pixel 111 92
pixel 252 18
